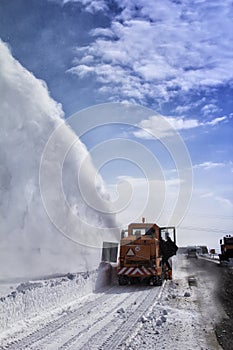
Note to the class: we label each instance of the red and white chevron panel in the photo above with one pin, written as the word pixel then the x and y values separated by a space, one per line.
pixel 136 271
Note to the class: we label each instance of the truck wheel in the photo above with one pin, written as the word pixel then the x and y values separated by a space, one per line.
pixel 122 280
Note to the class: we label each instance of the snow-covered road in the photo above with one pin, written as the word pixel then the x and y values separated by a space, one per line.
pixel 179 315
pixel 100 321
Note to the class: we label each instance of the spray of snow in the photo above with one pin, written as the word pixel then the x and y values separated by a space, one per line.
pixel 31 242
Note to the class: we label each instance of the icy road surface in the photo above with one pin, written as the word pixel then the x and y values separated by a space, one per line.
pixel 179 315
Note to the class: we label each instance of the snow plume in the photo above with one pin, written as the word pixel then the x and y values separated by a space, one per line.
pixel 44 231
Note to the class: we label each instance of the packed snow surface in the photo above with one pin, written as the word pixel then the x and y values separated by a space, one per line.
pixel 72 312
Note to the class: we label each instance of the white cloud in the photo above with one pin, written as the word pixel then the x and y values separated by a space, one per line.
pixel 216 121
pixel 85 61
pixel 225 202
pixel 182 109
pixel 209 165
pixel 161 126
pixel 207 195
pixel 91 6
pixel 81 70
pixel 102 32
pixel 210 109
pixel 158 126
pixel 181 123
pixel 170 46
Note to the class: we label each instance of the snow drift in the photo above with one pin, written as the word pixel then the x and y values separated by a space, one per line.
pixel 40 227
pixel 34 298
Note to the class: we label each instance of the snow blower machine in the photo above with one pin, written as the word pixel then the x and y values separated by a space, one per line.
pixel 145 254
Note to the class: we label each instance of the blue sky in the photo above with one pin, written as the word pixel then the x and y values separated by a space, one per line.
pixel 174 57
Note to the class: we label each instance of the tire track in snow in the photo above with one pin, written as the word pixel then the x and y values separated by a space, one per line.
pixel 97 323
pixel 86 317
pixel 58 323
pixel 111 331
pixel 103 331
pixel 124 331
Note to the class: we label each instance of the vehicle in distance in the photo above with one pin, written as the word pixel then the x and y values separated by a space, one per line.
pixel 226 245
pixel 192 253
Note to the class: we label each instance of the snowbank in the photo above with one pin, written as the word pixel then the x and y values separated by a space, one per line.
pixel 34 298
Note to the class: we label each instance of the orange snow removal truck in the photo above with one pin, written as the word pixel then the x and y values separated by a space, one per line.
pixel 145 252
